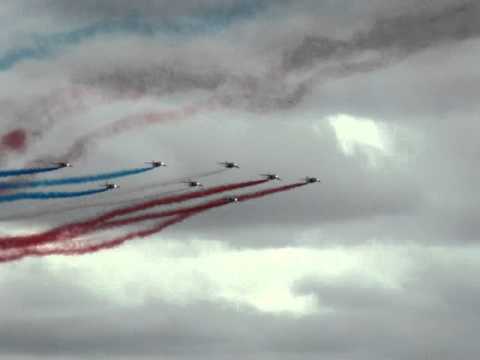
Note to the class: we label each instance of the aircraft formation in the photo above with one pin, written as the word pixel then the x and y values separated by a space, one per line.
pixel 69 239
pixel 190 183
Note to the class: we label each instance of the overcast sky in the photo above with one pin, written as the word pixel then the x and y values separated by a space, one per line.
pixel 377 98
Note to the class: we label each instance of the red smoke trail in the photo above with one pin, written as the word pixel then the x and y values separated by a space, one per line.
pixel 177 199
pixel 183 214
pixel 73 230
pixel 262 193
pixel 32 251
pixel 58 104
pixel 198 208
pixel 80 146
pixel 178 216
pixel 15 140
pixel 156 215
pixel 76 98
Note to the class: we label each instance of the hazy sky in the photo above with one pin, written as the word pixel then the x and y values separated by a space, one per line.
pixel 377 98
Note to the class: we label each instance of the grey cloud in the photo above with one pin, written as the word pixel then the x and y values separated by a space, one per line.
pixel 433 313
pixel 152 8
pixel 159 80
pixel 388 37
pixel 385 190
pixel 431 197
pixel 400 35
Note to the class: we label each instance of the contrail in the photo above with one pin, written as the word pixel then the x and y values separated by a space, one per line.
pixel 72 230
pixel 48 195
pixel 73 180
pixel 27 171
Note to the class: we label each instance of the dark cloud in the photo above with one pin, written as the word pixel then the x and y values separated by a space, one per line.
pixel 390 39
pixel 398 35
pixel 159 80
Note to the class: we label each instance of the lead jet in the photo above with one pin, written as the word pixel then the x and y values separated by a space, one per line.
pixel 229 164
pixel 156 164
pixel 311 180
pixel 111 186
pixel 271 176
pixel 192 183
pixel 231 199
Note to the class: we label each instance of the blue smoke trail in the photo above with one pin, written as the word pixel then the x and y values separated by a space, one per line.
pixel 29 171
pixel 48 195
pixel 73 180
pixel 209 21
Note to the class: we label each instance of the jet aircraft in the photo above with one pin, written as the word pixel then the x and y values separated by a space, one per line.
pixel 229 164
pixel 62 164
pixel 111 186
pixel 271 176
pixel 156 163
pixel 311 180
pixel 192 183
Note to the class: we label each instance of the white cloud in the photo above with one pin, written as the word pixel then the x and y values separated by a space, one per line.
pixel 200 270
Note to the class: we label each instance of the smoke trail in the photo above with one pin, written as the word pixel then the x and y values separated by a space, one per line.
pixel 177 216
pixel 60 210
pixel 398 36
pixel 72 230
pixel 48 195
pixel 39 116
pixel 179 180
pixel 210 21
pixel 198 208
pixel 74 180
pixel 175 199
pixel 15 140
pixel 151 216
pixel 72 250
pixel 28 171
pixel 262 193
pixel 80 146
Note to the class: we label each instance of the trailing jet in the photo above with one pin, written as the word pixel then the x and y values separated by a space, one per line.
pixel 229 164
pixel 311 180
pixel 111 186
pixel 231 199
pixel 271 176
pixel 156 163
pixel 62 164
pixel 192 183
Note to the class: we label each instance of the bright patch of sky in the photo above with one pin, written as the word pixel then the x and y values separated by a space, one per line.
pixel 206 270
